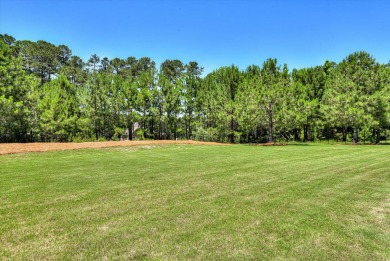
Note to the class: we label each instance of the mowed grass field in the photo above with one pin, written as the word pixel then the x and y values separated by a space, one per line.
pixel 180 202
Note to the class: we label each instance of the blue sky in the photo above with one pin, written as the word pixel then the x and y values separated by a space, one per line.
pixel 213 33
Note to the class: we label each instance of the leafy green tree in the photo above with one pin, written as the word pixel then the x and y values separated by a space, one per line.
pixel 94 62
pixel 117 64
pixel 221 87
pixel 248 114
pixel 16 103
pixel 102 98
pixel 129 104
pixel 304 100
pixel 11 42
pixel 171 85
pixel 192 82
pixel 7 39
pixel 105 65
pixel 274 82
pixel 146 86
pixel 349 90
pixel 97 106
pixel 40 58
pixel 64 55
pixel 59 110
pixel 380 100
pixel 172 70
pixel 74 71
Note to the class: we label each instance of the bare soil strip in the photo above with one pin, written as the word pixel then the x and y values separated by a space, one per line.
pixel 12 148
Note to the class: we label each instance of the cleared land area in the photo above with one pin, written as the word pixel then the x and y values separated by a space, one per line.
pixel 11 148
pixel 180 202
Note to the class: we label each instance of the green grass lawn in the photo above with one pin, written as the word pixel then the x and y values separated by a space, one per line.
pixel 197 202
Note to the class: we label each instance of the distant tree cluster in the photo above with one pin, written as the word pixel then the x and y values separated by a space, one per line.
pixel 49 94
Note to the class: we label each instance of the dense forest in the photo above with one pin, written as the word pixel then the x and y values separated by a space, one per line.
pixel 49 94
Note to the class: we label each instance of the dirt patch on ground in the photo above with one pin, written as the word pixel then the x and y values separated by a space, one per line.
pixel 12 148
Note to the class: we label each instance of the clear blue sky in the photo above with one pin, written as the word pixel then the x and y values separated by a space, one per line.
pixel 213 33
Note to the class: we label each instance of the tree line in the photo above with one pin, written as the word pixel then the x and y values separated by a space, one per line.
pixel 49 94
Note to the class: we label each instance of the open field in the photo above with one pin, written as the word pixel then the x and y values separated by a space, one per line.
pixel 12 148
pixel 180 202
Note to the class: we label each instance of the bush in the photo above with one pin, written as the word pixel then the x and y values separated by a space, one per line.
pixel 237 137
pixel 139 134
pixel 201 134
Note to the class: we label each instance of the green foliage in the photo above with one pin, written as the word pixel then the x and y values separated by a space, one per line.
pixel 59 111
pixel 351 95
pixel 270 95
pixel 139 134
pixel 17 110
pixel 93 99
pixel 220 102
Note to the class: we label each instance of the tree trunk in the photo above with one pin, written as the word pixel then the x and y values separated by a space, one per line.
pixel 130 128
pixel 364 137
pixel 189 126
pixel 151 128
pixel 186 127
pixel 355 135
pixel 175 128
pixel 160 123
pixel 345 134
pixel 305 133
pixel 378 136
pixel 96 131
pixel 160 130
pixel 270 122
pixel 296 135
pixel 255 134
pixel 270 129
pixel 232 130
pixel 144 124
pixel 42 74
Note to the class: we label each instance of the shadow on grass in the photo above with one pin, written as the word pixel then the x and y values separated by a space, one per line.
pixel 300 144
pixel 311 144
pixel 276 144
